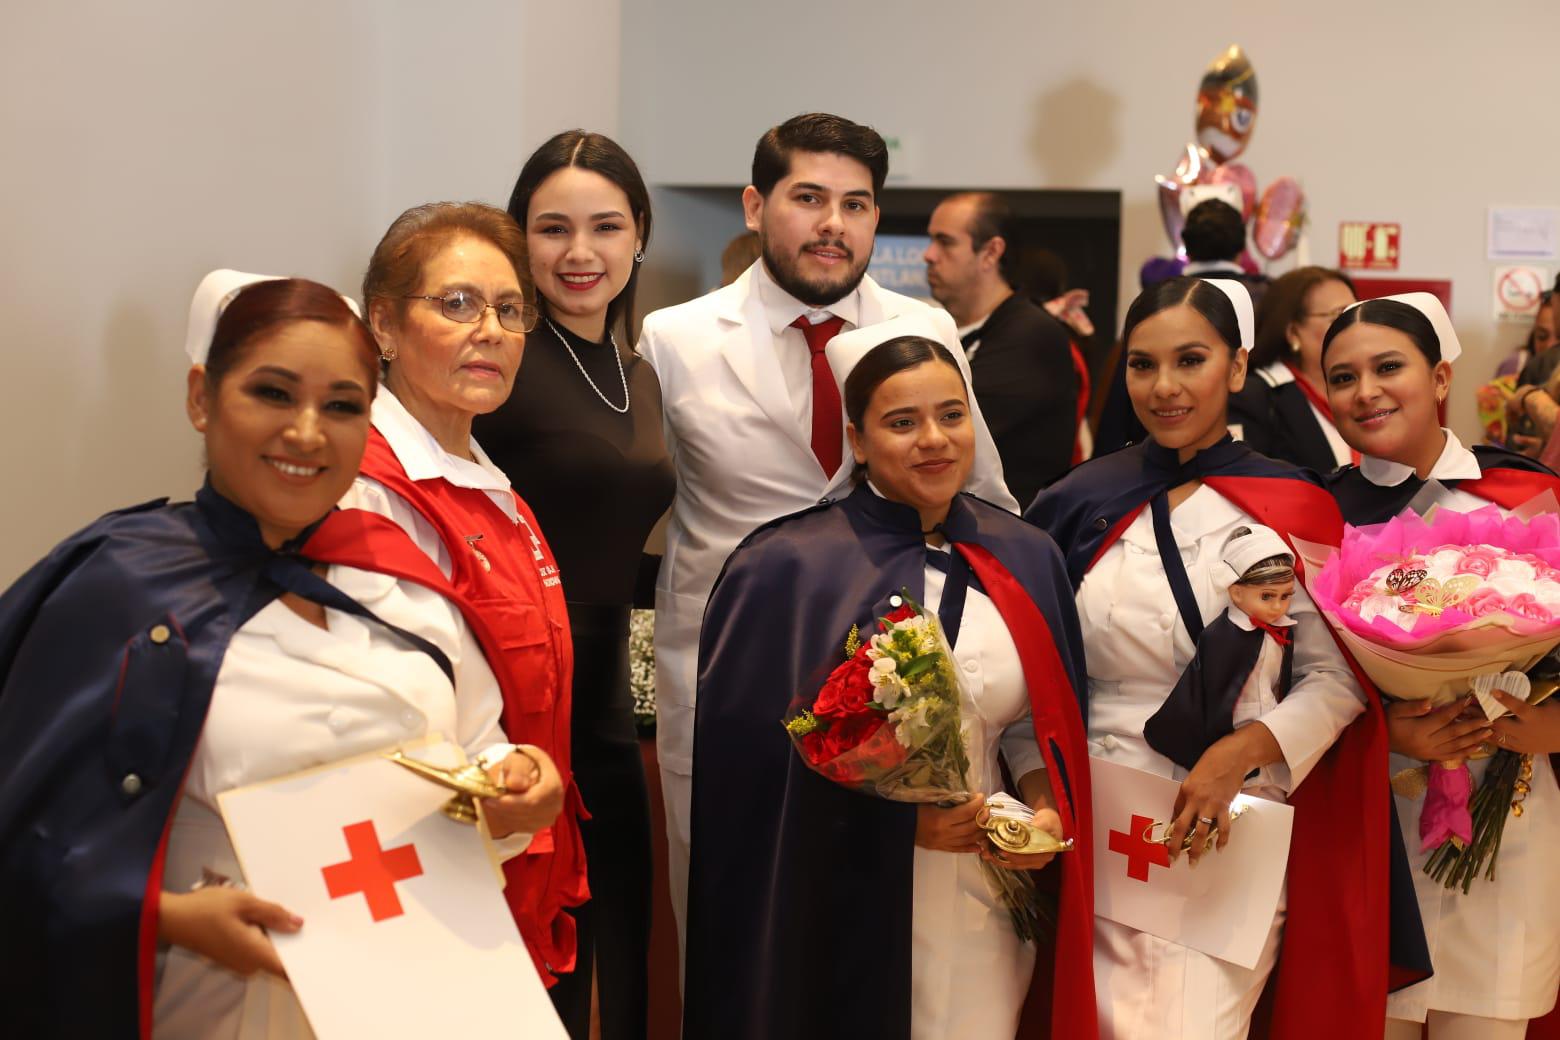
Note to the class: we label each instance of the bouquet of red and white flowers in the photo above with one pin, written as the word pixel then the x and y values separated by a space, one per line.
pixel 887 723
pixel 1433 609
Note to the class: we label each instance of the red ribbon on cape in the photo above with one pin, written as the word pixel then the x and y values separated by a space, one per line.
pixel 1058 727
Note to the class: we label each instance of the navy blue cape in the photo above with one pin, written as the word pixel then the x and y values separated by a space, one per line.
pixel 800 891
pixel 1330 960
pixel 109 652
pixel 1362 502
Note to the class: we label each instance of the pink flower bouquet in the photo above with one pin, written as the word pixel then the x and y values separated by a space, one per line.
pixel 1427 605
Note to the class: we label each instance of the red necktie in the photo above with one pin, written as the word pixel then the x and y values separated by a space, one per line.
pixel 1277 633
pixel 828 428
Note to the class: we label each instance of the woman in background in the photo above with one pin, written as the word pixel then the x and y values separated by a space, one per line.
pixel 1282 411
pixel 449 302
pixel 581 439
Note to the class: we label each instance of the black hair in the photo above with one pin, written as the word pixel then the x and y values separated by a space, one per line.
pixel 1203 298
pixel 1283 305
pixel 599 154
pixel 817 132
pixel 1393 314
pixel 1214 230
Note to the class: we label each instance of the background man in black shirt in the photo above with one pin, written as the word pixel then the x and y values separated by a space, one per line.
pixel 1021 358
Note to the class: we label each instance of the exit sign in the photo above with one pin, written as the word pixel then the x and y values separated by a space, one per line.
pixel 1367 246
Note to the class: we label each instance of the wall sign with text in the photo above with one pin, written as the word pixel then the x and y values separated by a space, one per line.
pixel 1368 246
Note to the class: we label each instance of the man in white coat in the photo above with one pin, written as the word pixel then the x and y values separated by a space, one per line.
pixel 738 369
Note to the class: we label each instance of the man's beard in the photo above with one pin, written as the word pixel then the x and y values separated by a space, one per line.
pixel 787 276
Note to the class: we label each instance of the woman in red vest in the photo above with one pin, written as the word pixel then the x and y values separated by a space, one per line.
pixel 449 298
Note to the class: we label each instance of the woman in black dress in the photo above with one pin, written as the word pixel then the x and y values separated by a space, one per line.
pixel 581 440
pixel 1282 411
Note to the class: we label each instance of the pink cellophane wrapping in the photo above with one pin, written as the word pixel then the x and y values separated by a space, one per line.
pixel 1435 660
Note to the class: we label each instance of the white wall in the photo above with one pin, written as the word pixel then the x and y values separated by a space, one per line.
pixel 1420 113
pixel 148 143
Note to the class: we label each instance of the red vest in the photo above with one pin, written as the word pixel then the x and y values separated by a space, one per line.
pixel 506 573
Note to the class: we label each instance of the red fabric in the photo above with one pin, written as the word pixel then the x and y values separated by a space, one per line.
pixel 1510 488
pixel 151 907
pixel 1319 401
pixel 1279 635
pixel 1332 972
pixel 828 423
pixel 1058 726
pixel 1081 369
pixel 505 581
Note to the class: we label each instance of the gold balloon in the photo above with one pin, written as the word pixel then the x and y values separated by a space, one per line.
pixel 1227 105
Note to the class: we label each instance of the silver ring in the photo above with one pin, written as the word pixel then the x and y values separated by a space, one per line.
pixel 1206 821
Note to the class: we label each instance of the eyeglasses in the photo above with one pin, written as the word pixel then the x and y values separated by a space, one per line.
pixel 468 308
pixel 1331 315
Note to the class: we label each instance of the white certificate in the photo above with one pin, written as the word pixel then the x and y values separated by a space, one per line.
pixel 1225 906
pixel 406 932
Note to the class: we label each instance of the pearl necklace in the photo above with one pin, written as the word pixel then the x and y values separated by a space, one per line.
pixel 618 357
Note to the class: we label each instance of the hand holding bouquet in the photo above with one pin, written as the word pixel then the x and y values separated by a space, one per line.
pixel 887 722
pixel 1434 609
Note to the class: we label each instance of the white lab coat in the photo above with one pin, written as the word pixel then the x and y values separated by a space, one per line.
pixel 290 696
pixel 1137 647
pixel 743 457
pixel 1495 950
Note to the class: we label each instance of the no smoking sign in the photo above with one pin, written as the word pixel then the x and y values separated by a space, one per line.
pixel 1518 291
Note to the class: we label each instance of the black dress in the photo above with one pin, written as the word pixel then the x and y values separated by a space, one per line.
pixel 597 480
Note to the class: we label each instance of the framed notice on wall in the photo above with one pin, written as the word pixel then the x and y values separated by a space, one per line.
pixel 1369 246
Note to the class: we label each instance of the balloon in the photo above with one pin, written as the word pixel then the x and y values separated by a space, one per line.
pixel 1195 167
pixel 1227 105
pixel 1280 216
pixel 1226 117
pixel 1240 176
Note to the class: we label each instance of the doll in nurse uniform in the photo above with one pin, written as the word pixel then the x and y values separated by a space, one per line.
pixel 1245 656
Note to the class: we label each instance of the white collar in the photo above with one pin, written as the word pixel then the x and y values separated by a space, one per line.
pixel 1243 619
pixel 1455 463
pixel 1197 267
pixel 424 458
pixel 1204 512
pixel 965 330
pixel 781 308
pixel 1276 374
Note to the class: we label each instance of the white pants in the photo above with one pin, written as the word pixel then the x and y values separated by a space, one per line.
pixel 677 793
pixel 1446 1026
pixel 1148 988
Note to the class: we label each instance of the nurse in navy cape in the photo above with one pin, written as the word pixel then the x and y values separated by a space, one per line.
pixel 1142 530
pixel 1496 947
pixel 140 673
pixel 816 911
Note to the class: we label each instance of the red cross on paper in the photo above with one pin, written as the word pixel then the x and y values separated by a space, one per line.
pixel 372 871
pixel 1140 854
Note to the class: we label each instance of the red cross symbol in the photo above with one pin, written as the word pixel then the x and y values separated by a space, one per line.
pixel 1140 854
pixel 372 871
